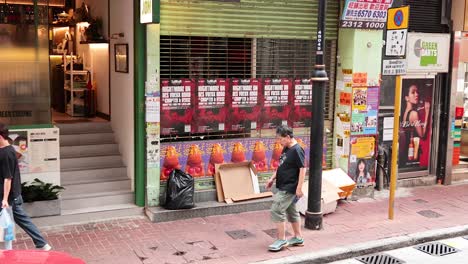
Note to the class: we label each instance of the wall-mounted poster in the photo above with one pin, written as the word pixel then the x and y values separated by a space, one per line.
pixel 275 110
pixel 365 103
pixel 415 124
pixel 245 100
pixel 362 160
pixel 301 114
pixel 210 101
pixel 176 106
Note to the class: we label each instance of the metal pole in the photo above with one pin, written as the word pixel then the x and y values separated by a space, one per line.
pixel 396 129
pixel 313 217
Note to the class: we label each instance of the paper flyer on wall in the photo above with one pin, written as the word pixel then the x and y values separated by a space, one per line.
pixel 176 106
pixel 301 114
pixel 277 97
pixel 245 102
pixel 364 115
pixel 210 103
pixel 362 160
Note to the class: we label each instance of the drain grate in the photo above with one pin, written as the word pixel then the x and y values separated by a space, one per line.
pixel 239 234
pixel 421 201
pixel 379 259
pixel 436 249
pixel 429 214
pixel 274 233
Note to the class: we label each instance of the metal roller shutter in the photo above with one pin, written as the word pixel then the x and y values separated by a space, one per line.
pixel 425 16
pixel 294 19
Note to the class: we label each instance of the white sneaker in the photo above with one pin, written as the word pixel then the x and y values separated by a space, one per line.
pixel 47 247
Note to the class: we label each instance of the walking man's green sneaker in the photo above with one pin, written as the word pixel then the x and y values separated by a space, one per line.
pixel 278 245
pixel 296 241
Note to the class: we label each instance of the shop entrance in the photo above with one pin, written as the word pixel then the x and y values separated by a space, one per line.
pixel 55 73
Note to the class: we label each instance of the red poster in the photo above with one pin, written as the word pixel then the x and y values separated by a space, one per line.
pixel 301 115
pixel 176 106
pixel 245 102
pixel 277 97
pixel 210 100
pixel 415 124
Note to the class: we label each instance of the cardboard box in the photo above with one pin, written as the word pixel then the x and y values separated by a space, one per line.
pixel 340 179
pixel 330 197
pixel 237 182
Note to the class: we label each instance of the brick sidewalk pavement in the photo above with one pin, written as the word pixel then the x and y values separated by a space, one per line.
pixel 206 240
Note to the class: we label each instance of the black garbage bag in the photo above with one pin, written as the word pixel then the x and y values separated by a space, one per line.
pixel 180 190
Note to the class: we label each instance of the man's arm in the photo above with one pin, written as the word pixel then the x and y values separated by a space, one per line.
pixel 271 181
pixel 6 192
pixel 302 172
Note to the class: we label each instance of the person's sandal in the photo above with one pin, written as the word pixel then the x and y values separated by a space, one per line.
pixel 296 241
pixel 278 245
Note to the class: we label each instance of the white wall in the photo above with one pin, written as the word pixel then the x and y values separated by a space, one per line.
pixel 121 21
pixel 98 53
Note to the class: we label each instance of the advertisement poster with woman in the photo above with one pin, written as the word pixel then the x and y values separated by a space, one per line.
pixel 362 161
pixel 415 124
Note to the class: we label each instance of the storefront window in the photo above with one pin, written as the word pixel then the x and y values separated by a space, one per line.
pixel 24 64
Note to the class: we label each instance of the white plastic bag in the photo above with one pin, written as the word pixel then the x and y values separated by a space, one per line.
pixel 7 225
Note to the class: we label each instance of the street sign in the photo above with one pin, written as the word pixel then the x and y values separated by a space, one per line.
pixel 398 18
pixel 394 67
pixel 396 42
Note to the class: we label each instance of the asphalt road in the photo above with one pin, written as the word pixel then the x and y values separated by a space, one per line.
pixel 411 255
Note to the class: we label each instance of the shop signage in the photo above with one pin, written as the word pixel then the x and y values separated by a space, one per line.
pixel 428 53
pixel 149 11
pixel 398 18
pixel 369 14
pixel 394 67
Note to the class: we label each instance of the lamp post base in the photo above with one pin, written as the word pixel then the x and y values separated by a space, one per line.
pixel 313 221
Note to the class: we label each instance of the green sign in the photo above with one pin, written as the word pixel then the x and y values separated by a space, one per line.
pixel 428 53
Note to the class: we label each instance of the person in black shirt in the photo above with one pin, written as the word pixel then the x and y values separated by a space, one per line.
pixel 289 178
pixel 10 190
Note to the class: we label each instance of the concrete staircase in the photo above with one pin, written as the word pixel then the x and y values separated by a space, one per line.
pixel 93 174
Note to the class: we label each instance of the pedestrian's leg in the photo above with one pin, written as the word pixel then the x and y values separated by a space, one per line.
pixel 278 216
pixel 281 227
pixel 295 219
pixel 24 221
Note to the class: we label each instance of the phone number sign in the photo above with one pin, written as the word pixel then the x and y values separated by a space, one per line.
pixel 368 14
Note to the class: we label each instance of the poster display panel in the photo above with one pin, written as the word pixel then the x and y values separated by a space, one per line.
pixel 176 106
pixel 415 124
pixel 37 150
pixel 210 103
